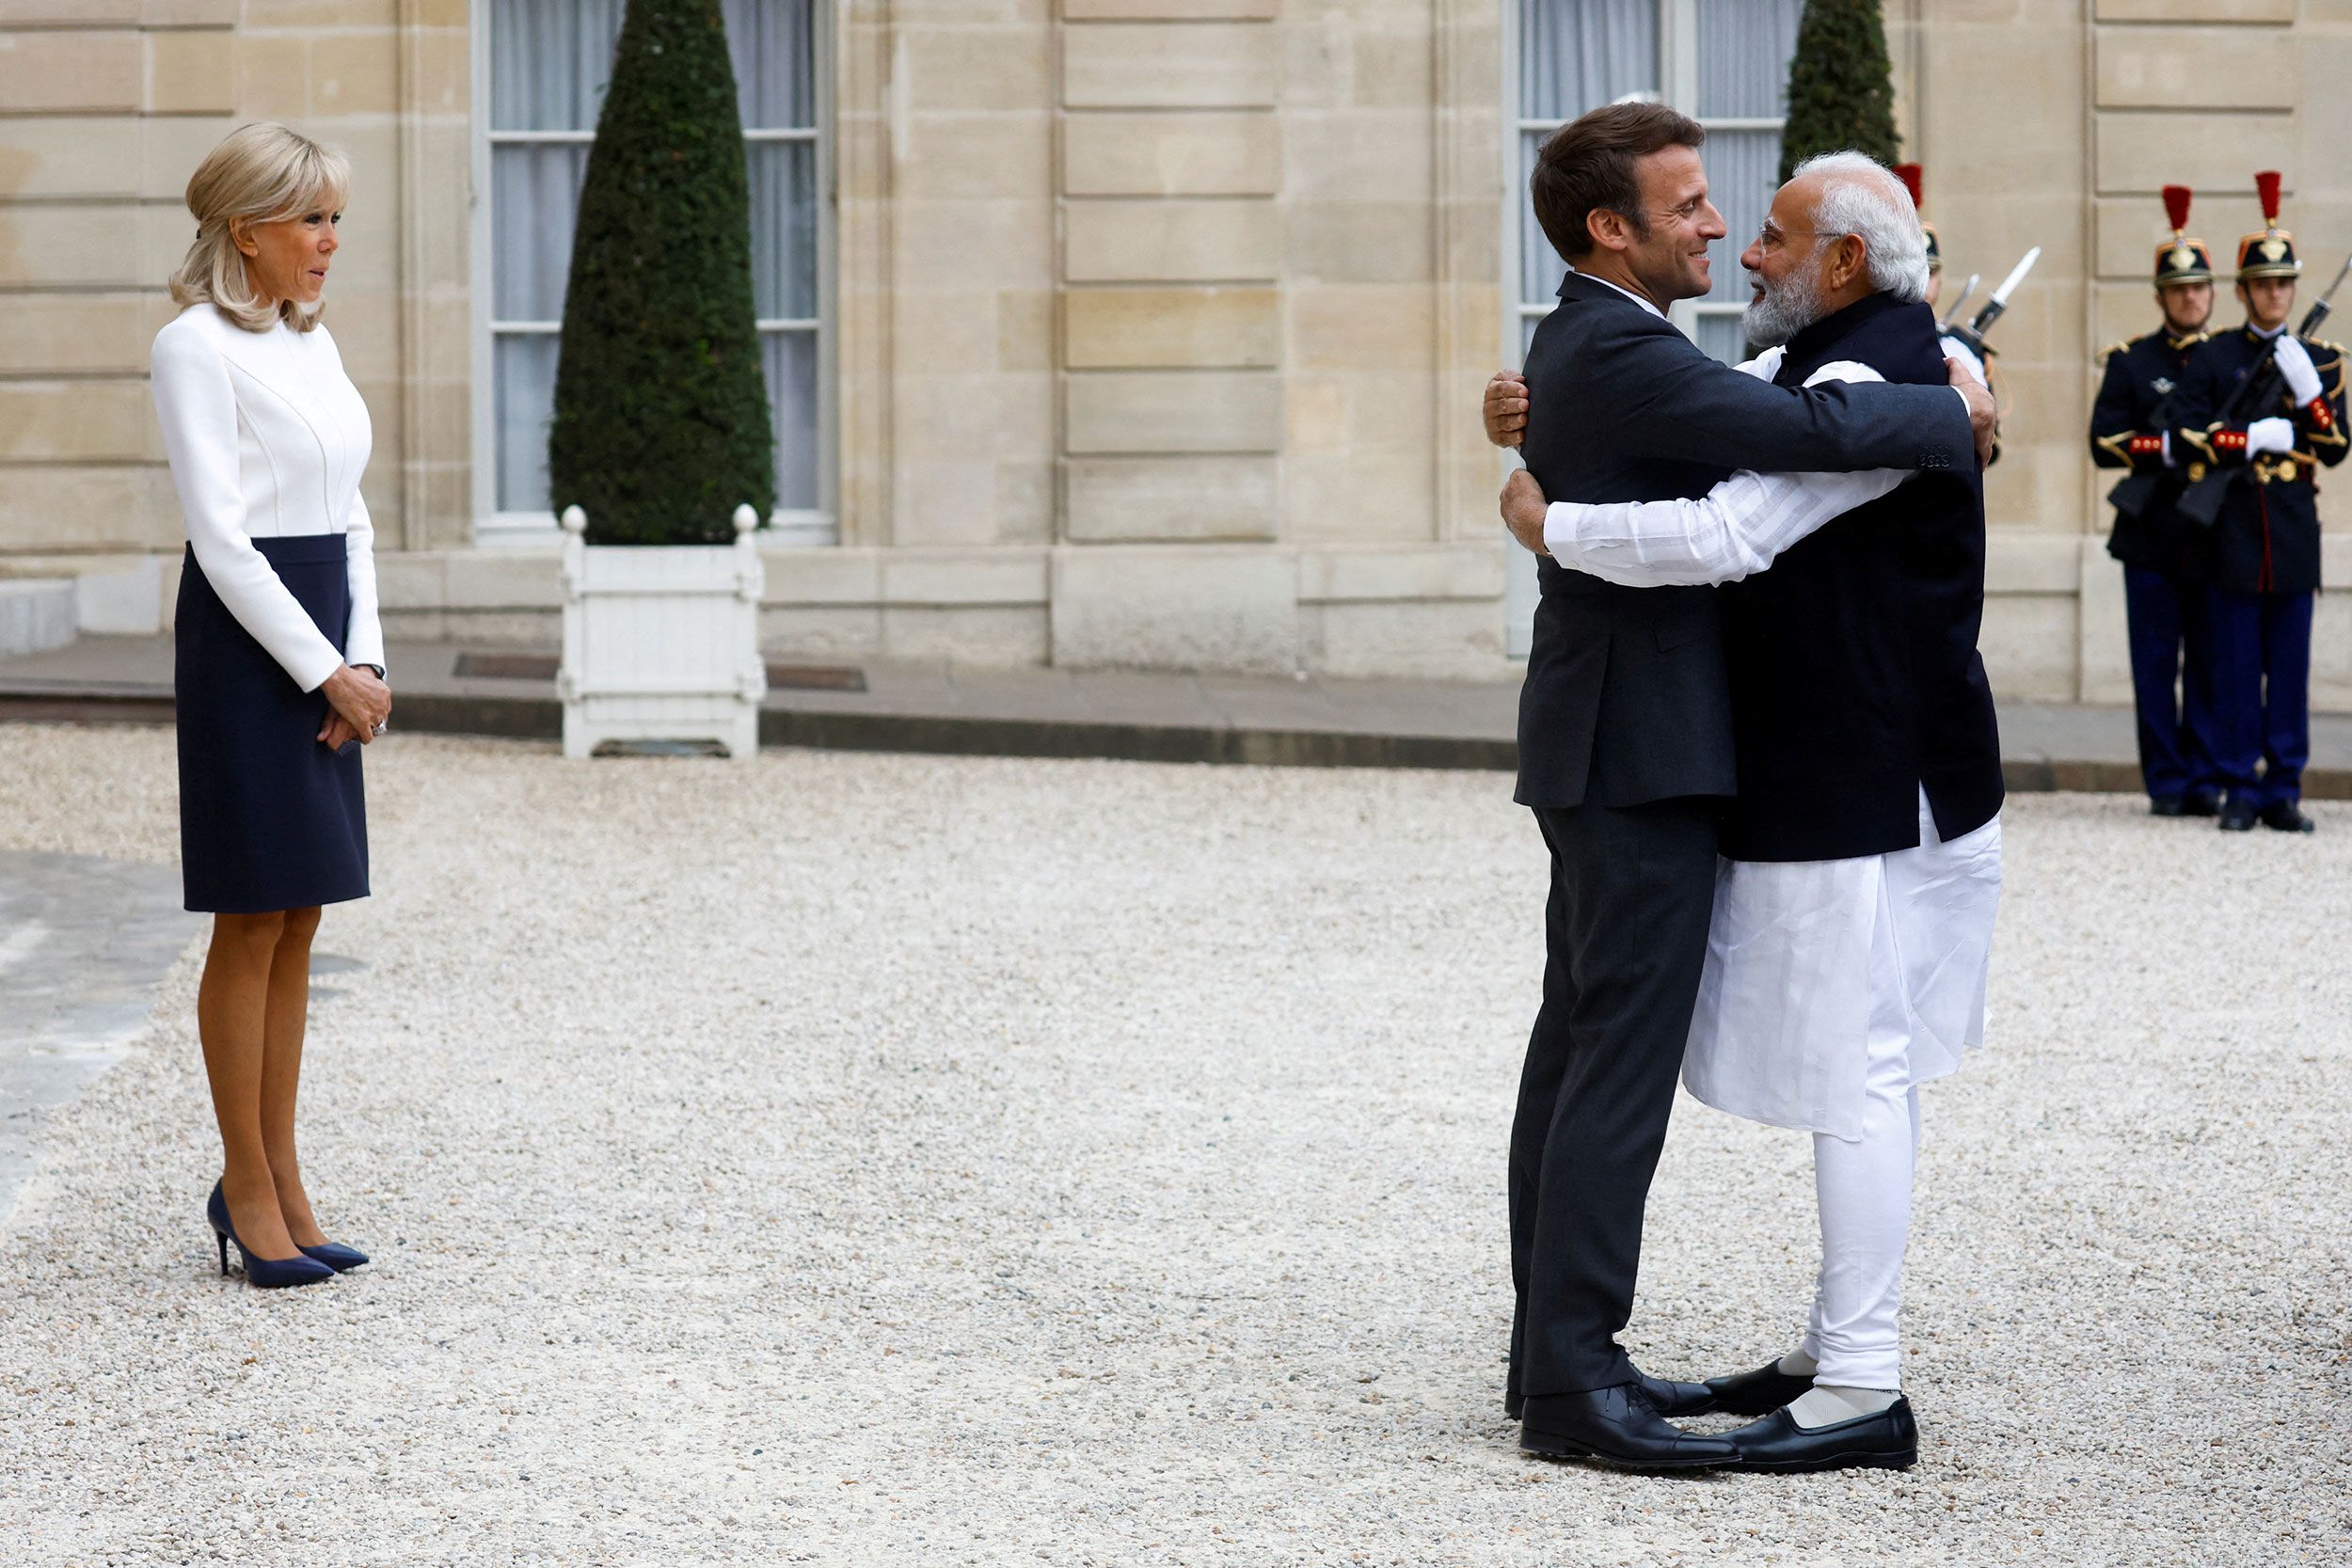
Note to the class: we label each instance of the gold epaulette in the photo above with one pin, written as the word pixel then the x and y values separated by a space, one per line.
pixel 2115 348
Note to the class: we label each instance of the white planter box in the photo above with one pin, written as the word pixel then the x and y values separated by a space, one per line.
pixel 661 643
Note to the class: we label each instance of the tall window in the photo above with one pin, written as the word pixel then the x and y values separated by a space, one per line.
pixel 1724 62
pixel 544 69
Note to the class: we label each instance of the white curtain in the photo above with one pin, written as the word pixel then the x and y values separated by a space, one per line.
pixel 1744 47
pixel 1574 55
pixel 550 63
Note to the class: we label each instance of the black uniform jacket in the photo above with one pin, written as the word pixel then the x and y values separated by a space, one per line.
pixel 1626 698
pixel 2266 540
pixel 1856 681
pixel 2127 425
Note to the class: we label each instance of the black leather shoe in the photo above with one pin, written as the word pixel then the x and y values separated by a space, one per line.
pixel 2167 805
pixel 2237 818
pixel 2202 802
pixel 1619 1427
pixel 1757 1393
pixel 2286 816
pixel 1886 1441
pixel 1669 1398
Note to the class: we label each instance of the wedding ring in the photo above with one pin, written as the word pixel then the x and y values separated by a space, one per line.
pixel 379 729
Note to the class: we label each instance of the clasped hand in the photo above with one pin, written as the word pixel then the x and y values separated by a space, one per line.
pixel 357 704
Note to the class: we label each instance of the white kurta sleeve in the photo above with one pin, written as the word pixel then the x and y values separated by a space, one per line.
pixel 1737 528
pixel 364 639
pixel 198 413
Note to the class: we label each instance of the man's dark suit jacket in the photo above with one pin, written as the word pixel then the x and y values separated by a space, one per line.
pixel 1625 699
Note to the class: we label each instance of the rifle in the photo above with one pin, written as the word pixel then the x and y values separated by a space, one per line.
pixel 2201 504
pixel 1973 334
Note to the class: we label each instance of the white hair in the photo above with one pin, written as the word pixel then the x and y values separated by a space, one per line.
pixel 1861 196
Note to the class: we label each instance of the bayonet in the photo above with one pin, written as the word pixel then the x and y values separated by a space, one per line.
pixel 1953 315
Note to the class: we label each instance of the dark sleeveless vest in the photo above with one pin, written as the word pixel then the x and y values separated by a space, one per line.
pixel 1855 679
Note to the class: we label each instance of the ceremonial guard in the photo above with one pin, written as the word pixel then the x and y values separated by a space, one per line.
pixel 2258 409
pixel 2166 573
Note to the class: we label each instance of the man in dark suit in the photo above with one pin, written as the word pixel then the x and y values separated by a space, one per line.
pixel 1626 746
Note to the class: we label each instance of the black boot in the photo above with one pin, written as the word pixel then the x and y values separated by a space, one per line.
pixel 1617 1427
pixel 1757 1393
pixel 2237 818
pixel 2167 805
pixel 1886 1441
pixel 2286 816
pixel 2202 802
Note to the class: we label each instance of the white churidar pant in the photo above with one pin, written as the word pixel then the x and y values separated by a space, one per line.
pixel 1832 990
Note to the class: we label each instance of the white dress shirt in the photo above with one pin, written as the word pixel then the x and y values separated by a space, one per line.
pixel 1781 1033
pixel 267 439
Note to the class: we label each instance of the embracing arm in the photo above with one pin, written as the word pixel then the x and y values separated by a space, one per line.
pixel 198 413
pixel 1737 528
pixel 1684 404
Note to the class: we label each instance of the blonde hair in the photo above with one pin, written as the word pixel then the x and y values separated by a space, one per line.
pixel 261 173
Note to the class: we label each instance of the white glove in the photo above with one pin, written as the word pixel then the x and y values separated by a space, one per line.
pixel 2270 435
pixel 2295 363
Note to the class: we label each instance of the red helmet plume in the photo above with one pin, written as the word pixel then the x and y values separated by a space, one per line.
pixel 2176 206
pixel 1909 175
pixel 2267 187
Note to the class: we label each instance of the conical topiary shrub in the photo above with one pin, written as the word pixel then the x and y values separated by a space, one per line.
pixel 661 426
pixel 1841 90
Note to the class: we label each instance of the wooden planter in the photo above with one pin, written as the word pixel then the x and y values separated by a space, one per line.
pixel 662 641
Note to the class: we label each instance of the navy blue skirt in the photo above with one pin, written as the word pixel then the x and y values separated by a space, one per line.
pixel 269 819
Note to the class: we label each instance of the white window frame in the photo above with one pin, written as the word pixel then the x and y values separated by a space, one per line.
pixel 537 530
pixel 1678 69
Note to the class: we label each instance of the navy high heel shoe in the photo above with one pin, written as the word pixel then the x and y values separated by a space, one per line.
pixel 335 1255
pixel 268 1274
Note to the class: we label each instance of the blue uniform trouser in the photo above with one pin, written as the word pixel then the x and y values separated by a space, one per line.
pixel 2172 681
pixel 2262 692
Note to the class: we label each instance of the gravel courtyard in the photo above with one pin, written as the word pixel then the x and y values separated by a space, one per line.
pixel 851 1159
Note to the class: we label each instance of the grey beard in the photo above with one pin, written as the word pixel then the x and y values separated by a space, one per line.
pixel 1784 312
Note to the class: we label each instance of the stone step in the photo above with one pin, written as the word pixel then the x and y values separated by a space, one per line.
pixel 37 615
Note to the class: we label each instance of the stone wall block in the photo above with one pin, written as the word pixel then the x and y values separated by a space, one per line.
pixel 2192 68
pixel 1192 65
pixel 1170 11
pixel 2206 149
pixel 966 68
pixel 67 71
pixel 80 246
pixel 191 70
pixel 1113 154
pixel 1151 499
pixel 1175 609
pixel 2194 10
pixel 1172 411
pixel 78 422
pixel 69 155
pixel 84 333
pixel 1115 241
pixel 1148 328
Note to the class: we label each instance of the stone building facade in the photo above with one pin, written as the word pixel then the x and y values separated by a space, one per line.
pixel 1120 332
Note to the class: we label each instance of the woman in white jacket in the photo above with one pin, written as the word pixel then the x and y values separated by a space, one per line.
pixel 279 656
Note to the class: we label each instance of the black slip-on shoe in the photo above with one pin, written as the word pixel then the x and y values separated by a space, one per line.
pixel 2286 816
pixel 1757 1393
pixel 1778 1445
pixel 1669 1398
pixel 2237 818
pixel 2202 802
pixel 1617 1427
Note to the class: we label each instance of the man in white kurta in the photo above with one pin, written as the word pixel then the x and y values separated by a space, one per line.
pixel 1833 989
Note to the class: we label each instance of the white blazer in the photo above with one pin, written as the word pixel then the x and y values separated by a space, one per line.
pixel 267 439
